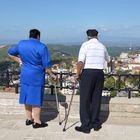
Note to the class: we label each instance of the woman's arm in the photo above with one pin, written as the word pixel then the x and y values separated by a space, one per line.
pixel 52 75
pixel 16 59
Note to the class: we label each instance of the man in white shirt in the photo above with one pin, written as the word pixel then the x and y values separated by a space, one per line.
pixel 91 60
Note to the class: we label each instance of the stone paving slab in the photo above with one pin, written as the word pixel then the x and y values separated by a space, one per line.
pixel 15 129
pixel 12 125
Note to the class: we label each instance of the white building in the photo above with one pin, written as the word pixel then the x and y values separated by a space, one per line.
pixel 137 60
pixel 133 65
pixel 124 55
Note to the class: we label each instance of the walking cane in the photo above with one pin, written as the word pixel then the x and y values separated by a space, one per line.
pixel 67 115
pixel 57 104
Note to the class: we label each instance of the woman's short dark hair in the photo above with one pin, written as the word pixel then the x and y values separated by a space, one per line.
pixel 92 33
pixel 34 33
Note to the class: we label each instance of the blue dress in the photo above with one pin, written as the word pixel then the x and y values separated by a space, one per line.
pixel 35 59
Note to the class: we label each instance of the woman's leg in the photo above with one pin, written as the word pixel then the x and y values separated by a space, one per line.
pixel 28 109
pixel 36 112
pixel 37 122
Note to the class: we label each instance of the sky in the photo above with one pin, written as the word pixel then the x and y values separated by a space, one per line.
pixel 66 21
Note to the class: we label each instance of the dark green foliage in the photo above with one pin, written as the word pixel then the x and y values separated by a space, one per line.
pixel 78 92
pixel 123 71
pixel 113 93
pixel 109 82
pixel 4 65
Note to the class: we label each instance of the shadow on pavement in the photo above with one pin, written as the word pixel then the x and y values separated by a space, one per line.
pixel 50 110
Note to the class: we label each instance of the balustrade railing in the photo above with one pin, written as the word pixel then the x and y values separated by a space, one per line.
pixel 113 82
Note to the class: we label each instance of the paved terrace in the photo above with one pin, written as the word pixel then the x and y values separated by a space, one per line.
pixel 122 124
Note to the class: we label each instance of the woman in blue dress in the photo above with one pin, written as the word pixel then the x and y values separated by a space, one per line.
pixel 34 58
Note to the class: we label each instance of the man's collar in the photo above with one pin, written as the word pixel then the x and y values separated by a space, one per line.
pixel 93 39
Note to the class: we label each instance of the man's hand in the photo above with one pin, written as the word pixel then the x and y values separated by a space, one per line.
pixel 77 77
pixel 80 66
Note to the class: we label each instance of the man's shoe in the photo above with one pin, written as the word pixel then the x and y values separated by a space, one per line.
pixel 97 128
pixel 39 125
pixel 29 122
pixel 82 129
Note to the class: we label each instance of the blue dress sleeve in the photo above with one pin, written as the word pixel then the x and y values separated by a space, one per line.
pixel 13 51
pixel 46 61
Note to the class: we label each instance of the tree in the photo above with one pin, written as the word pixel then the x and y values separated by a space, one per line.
pixel 4 65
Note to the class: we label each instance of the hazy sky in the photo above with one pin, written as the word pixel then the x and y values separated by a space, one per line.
pixel 67 20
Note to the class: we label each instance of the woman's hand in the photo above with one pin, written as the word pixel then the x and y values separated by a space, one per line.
pixel 16 59
pixel 51 74
pixel 20 62
pixel 54 77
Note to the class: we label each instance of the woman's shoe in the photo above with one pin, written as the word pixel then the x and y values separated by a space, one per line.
pixel 38 125
pixel 29 122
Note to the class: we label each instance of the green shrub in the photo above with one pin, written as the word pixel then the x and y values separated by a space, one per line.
pixel 113 93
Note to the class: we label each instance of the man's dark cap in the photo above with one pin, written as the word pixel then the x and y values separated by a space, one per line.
pixel 92 33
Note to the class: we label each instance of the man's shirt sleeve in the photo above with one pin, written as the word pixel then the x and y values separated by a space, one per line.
pixel 107 57
pixel 82 54
pixel 46 61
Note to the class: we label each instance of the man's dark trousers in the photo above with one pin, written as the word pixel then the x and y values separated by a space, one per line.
pixel 91 85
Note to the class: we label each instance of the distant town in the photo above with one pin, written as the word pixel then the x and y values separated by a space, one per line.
pixel 64 58
pixel 128 62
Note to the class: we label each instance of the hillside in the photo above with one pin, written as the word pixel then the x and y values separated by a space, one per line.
pixel 3 52
pixel 114 51
pixel 72 50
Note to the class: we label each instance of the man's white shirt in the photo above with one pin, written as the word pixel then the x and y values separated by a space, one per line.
pixel 93 54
